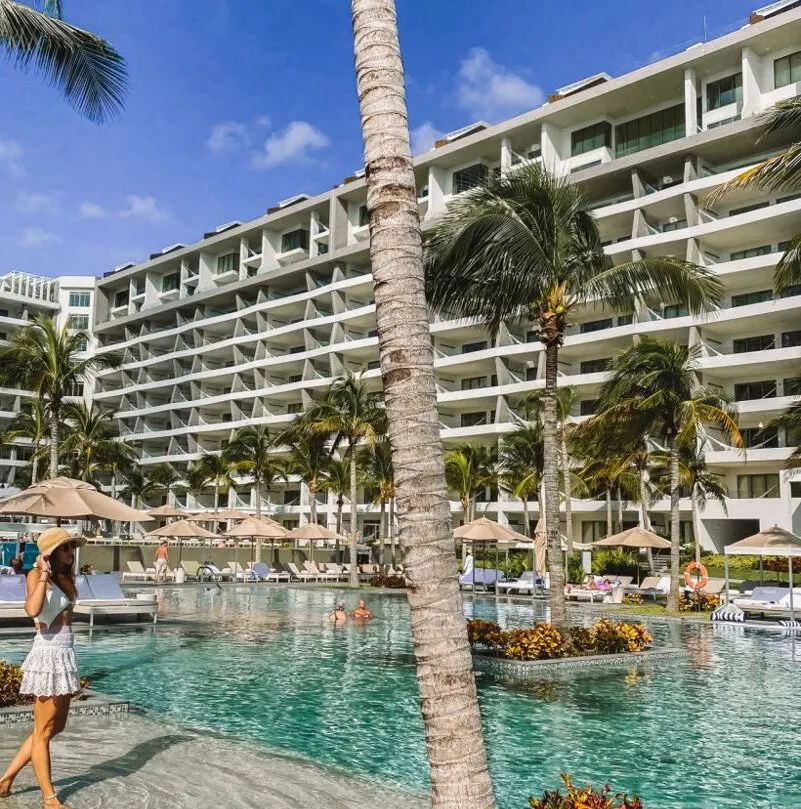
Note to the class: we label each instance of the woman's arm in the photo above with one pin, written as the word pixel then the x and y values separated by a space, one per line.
pixel 36 584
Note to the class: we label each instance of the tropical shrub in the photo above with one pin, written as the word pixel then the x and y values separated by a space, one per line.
pixel 391 582
pixel 513 567
pixel 614 562
pixel 632 598
pixel 10 683
pixel 575 569
pixel 698 602
pixel 609 638
pixel 736 563
pixel 542 642
pixel 584 798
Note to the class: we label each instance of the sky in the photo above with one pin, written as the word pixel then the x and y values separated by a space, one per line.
pixel 233 105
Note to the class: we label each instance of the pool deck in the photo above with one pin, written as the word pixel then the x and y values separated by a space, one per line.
pixel 135 762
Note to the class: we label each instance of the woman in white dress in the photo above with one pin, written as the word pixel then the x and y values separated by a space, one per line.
pixel 50 674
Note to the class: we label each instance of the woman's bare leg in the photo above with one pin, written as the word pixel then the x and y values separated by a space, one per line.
pixel 17 763
pixel 49 719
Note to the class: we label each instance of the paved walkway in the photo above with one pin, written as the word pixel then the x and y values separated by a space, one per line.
pixel 136 763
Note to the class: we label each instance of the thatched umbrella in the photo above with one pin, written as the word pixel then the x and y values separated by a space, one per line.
pixel 637 537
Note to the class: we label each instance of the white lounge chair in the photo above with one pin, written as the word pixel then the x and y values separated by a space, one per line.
pixel 101 595
pixel 266 573
pixel 302 575
pixel 311 567
pixel 136 572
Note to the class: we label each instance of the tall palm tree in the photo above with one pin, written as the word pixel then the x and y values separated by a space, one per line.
pixel 521 462
pixel 655 388
pixel 377 473
pixel 350 414
pixel 336 478
pixel 526 246
pixel 164 477
pixel 445 670
pixel 32 424
pixel 88 71
pixel 469 468
pixel 782 172
pixel 211 470
pixel 41 357
pixel 137 485
pixel 309 455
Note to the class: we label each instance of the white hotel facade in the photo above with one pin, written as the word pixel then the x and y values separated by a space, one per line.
pixel 252 323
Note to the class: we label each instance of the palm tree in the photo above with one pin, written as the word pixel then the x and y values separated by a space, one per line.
pixel 377 473
pixel 349 415
pixel 526 246
pixel 214 470
pixel 521 462
pixel 469 468
pixel 782 172
pixel 445 670
pixel 309 455
pixel 790 420
pixel 89 72
pixel 164 477
pixel 31 423
pixel 336 478
pixel 137 485
pixel 41 357
pixel 654 388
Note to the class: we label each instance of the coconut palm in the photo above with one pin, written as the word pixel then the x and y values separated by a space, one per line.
pixel 137 485
pixel 309 455
pixel 526 246
pixel 164 477
pixel 655 389
pixel 377 473
pixel 215 470
pixel 468 469
pixel 252 451
pixel 350 414
pixel 87 70
pixel 336 478
pixel 31 424
pixel 521 462
pixel 445 671
pixel 42 358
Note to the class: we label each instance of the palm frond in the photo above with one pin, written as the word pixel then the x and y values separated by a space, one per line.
pixel 788 270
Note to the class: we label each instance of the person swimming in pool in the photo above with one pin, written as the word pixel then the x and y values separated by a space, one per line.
pixel 338 616
pixel 361 613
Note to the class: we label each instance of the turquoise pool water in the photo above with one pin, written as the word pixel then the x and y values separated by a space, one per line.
pixel 716 730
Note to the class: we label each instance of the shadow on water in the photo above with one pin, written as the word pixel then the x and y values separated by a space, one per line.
pixel 129 763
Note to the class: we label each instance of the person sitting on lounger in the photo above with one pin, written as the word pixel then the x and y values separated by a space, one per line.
pixel 338 616
pixel 361 613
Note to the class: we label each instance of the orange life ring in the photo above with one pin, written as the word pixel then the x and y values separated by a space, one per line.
pixel 691 581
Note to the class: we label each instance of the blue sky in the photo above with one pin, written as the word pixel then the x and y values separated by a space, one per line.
pixel 235 104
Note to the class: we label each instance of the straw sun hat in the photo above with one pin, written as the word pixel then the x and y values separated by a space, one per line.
pixel 54 538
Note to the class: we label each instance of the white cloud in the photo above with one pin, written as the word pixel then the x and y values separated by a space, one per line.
pixel 91 210
pixel 228 137
pixel 423 137
pixel 147 208
pixel 291 145
pixel 33 202
pixel 37 237
pixel 488 90
pixel 11 157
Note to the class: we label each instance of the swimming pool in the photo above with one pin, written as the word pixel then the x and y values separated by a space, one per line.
pixel 717 729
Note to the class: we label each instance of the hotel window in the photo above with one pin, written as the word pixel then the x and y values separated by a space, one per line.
pixel 479 345
pixel 745 391
pixel 295 240
pixel 228 263
pixel 792 386
pixel 763 342
pixel 650 130
pixel 171 282
pixel 748 208
pixel 322 249
pixel 75 389
pixel 292 497
pixel 473 419
pixel 596 325
pixel 787 70
pixel 139 288
pixel 791 339
pixel 757 486
pixel 625 320
pixel 595 366
pixel 591 137
pixel 675 310
pixel 756 438
pixel 723 92
pixel 747 298
pixel 81 345
pixel 364 216
pixel 78 322
pixel 736 255
pixel 79 299
pixel 294 407
pixel 473 382
pixel 470 177
pixel 587 407
pixel 121 299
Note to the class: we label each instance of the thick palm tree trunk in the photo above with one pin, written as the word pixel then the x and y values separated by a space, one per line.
pixel 556 592
pixel 354 519
pixel 568 494
pixel 620 509
pixel 257 549
pixel 313 504
pixel 608 510
pixel 54 441
pixel 526 528
pixel 35 464
pixel 392 538
pixel 675 527
pixel 646 521
pixel 459 775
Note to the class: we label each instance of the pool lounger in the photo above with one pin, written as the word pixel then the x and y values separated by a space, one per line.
pixel 266 573
pixel 301 575
pixel 136 572
pixel 12 597
pixel 101 595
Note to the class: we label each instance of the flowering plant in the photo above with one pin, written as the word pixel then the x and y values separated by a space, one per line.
pixel 705 602
pixel 632 598
pixel 584 798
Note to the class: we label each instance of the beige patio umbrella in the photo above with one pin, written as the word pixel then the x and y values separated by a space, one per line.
pixel 181 529
pixel 254 528
pixel 313 532
pixel 223 515
pixel 167 511
pixel 637 537
pixel 540 547
pixel 485 530
pixel 66 498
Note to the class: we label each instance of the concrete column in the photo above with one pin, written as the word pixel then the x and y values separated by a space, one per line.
pixel 437 178
pixel 506 156
pixel 551 159
pixel 691 101
pixel 752 92
pixel 637 185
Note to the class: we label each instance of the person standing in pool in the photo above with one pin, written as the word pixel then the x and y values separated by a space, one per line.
pixel 338 617
pixel 361 613
pixel 50 673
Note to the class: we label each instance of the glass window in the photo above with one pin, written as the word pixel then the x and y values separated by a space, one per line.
pixel 470 177
pixel 121 298
pixel 787 70
pixel 591 137
pixel 763 342
pixel 595 366
pixel 228 263
pixel 625 320
pixel 292 497
pixel 675 310
pixel 756 438
pixel 139 288
pixel 364 216
pixel 757 486
pixel 755 390
pixel 791 291
pixel 747 298
pixel 81 345
pixel 587 407
pixel 747 208
pixel 596 325
pixel 650 130
pixel 792 386
pixel 78 322
pixel 473 382
pixel 473 419
pixel 322 249
pixel 294 407
pixel 295 240
pixel 791 339
pixel 677 225
pixel 79 299
pixel 723 92
pixel 171 282
pixel 75 388
pixel 479 345
pixel 736 255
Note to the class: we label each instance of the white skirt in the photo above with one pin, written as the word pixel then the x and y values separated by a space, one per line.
pixel 50 669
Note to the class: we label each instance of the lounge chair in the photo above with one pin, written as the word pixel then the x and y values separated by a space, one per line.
pixel 12 597
pixel 190 568
pixel 302 575
pixel 214 573
pixel 525 585
pixel 770 601
pixel 311 567
pixel 481 577
pixel 240 573
pixel 101 595
pixel 136 572
pixel 266 573
pixel 714 587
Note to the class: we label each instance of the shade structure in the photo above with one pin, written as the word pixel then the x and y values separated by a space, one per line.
pixel 167 511
pixel 484 530
pixel 770 542
pixel 223 515
pixel 540 548
pixel 69 499
pixel 637 537
pixel 253 528
pixel 182 529
pixel 313 531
